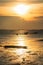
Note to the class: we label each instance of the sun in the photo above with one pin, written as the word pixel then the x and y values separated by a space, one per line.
pixel 21 9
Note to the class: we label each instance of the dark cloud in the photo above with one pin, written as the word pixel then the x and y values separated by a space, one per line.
pixel 31 1
pixel 39 17
pixel 13 22
pixel 40 40
pixel 37 1
pixel 5 1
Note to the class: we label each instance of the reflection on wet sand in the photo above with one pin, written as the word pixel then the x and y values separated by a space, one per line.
pixel 16 58
pixel 22 49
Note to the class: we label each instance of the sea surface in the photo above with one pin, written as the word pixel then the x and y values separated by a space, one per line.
pixel 32 55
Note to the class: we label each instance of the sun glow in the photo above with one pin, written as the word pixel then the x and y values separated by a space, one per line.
pixel 20 51
pixel 21 9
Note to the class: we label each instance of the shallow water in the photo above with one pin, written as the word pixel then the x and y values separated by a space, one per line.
pixel 33 40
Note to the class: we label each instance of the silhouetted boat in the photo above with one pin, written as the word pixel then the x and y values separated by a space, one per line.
pixel 24 47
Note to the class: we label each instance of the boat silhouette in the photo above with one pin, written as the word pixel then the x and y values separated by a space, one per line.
pixel 10 46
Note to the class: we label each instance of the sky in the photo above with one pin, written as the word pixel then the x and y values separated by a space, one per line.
pixel 12 18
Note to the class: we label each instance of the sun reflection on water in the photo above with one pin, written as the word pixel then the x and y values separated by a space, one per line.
pixel 20 41
pixel 20 51
pixel 24 40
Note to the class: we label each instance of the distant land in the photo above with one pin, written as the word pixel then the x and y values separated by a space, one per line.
pixel 4 31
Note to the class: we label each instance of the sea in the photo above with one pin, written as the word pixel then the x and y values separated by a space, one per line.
pixel 31 39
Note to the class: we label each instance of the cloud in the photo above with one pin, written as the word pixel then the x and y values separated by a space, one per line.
pixel 11 22
pixel 6 2
pixel 36 1
pixel 15 22
pixel 39 17
pixel 31 1
pixel 40 40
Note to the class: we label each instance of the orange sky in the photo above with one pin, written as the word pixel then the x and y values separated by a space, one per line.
pixel 34 10
pixel 34 13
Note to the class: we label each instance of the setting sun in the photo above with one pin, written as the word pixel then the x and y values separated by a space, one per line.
pixel 21 9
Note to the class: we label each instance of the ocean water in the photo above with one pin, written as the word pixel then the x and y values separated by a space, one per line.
pixel 32 39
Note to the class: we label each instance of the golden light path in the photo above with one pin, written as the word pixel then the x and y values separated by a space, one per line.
pixel 21 9
pixel 20 40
